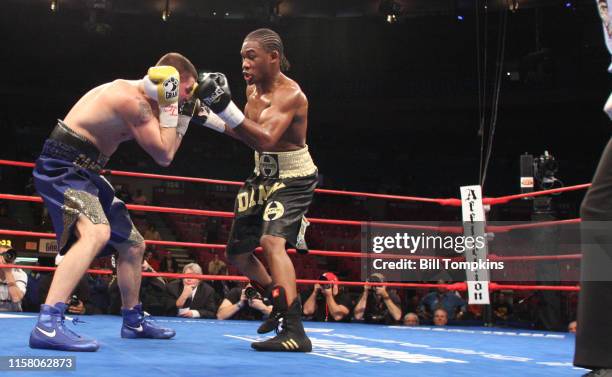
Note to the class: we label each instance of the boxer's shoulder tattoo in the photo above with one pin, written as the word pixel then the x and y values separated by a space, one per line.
pixel 144 111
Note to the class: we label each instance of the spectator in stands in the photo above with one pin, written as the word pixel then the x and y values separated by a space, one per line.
pixel 327 303
pixel 140 199
pixel 440 317
pixel 411 319
pixel 151 258
pixel 245 304
pixel 31 300
pixel 502 310
pixel 13 281
pixel 216 265
pixel 78 301
pixel 450 301
pixel 222 287
pixel 153 294
pixel 572 327
pixel 194 298
pixel 122 193
pixel 168 264
pixel 6 221
pixel 377 305
pixel 99 293
pixel 151 233
pixel 211 230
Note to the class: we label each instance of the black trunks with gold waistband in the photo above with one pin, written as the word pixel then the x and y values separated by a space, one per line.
pixel 274 200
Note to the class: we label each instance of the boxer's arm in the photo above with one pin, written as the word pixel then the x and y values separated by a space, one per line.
pixel 159 142
pixel 273 122
pixel 213 90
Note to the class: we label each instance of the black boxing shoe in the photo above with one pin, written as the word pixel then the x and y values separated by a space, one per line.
pixel 279 309
pixel 291 337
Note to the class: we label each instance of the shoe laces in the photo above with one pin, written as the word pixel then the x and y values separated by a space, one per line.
pixel 280 329
pixel 149 320
pixel 63 326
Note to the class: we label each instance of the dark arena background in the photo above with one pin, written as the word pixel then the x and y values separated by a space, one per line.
pixel 407 98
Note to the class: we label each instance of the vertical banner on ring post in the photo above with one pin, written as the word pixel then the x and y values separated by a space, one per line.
pixel 474 226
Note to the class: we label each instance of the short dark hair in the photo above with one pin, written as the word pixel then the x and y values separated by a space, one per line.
pixel 271 41
pixel 180 62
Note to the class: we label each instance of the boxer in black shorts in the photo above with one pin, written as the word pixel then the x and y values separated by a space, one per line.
pixel 270 207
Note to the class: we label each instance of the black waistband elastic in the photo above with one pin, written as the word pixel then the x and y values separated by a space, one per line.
pixel 65 144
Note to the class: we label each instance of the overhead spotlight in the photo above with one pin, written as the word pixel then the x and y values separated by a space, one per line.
pixel 391 9
pixel 460 18
pixel 54 5
pixel 166 12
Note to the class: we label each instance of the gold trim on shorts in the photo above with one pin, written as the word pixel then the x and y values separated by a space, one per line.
pixel 291 164
pixel 78 202
pixel 135 237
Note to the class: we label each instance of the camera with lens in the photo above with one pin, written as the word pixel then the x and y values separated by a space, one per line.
pixel 74 300
pixel 251 293
pixel 9 256
pixel 375 278
pixel 538 172
pixel 325 286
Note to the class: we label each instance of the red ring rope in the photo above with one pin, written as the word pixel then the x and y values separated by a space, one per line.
pixel 444 202
pixel 507 198
pixel 203 212
pixel 326 253
pixel 451 287
pixel 224 214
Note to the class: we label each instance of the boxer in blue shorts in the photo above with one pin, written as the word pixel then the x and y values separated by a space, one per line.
pixel 88 219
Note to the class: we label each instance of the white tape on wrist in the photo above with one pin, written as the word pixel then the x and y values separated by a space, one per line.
pixel 183 124
pixel 168 116
pixel 232 115
pixel 215 122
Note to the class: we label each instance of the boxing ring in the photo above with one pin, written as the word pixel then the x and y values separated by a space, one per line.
pixel 212 347
pixel 221 348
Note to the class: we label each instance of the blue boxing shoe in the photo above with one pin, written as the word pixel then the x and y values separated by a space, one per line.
pixel 51 333
pixel 136 325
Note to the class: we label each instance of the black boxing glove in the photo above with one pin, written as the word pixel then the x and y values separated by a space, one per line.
pixel 193 111
pixel 214 92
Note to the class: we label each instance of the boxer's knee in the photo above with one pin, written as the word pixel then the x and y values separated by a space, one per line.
pixel 96 235
pixel 133 252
